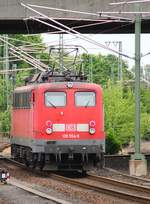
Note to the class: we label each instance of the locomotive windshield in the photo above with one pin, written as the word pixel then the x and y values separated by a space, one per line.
pixel 85 99
pixel 55 99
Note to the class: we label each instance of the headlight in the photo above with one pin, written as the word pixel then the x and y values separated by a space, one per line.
pixel 92 123
pixel 49 131
pixel 49 123
pixel 92 131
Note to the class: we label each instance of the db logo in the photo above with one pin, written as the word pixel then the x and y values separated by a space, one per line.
pixel 70 127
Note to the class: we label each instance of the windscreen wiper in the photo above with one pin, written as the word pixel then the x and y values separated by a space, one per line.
pixel 51 103
pixel 86 105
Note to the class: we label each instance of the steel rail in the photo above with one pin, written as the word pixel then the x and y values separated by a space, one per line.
pixel 128 176
pixel 107 169
pixel 108 190
pixel 102 189
pixel 118 183
pixel 14 182
pixel 38 193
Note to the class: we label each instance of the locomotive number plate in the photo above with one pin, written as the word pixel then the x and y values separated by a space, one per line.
pixel 71 136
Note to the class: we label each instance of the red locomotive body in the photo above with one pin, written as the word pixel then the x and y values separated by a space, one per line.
pixel 58 125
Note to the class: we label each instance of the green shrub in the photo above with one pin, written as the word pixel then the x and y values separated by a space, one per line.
pixel 112 145
pixel 5 121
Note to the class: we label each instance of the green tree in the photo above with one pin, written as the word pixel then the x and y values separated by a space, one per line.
pixel 120 117
pixel 105 68
pixel 119 114
pixel 5 121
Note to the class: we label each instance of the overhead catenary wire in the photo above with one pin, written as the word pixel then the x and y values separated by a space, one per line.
pixel 106 30
pixel 87 13
pixel 22 58
pixel 87 25
pixel 15 53
pixel 17 70
pixel 4 58
pixel 19 51
pixel 24 41
pixel 94 24
pixel 115 28
pixel 10 59
pixel 124 12
pixel 19 40
pixel 70 31
pixel 144 55
pixel 26 59
pixel 51 19
pixel 74 27
pixel 32 51
pixel 76 32
pixel 14 60
pixel 77 12
pixel 64 10
pixel 84 38
pixel 43 47
pixel 128 70
pixel 100 22
pixel 129 2
pixel 35 44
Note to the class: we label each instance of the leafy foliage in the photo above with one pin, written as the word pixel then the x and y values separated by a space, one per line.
pixel 5 121
pixel 119 115
pixel 112 145
pixel 120 118
pixel 105 68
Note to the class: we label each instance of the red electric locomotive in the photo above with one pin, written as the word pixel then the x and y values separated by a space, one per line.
pixel 58 125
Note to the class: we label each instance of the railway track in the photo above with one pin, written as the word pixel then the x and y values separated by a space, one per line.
pixel 109 186
pixel 14 182
pixel 120 189
pixel 143 180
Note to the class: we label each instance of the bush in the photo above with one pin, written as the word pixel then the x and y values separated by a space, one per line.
pixel 5 121
pixel 112 145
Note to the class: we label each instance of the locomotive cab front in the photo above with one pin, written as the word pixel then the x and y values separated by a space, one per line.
pixel 66 127
pixel 74 129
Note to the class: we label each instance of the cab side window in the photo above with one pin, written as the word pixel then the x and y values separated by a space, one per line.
pixel 21 100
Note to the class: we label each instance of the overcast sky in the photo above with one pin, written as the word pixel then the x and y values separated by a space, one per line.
pixel 127 44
